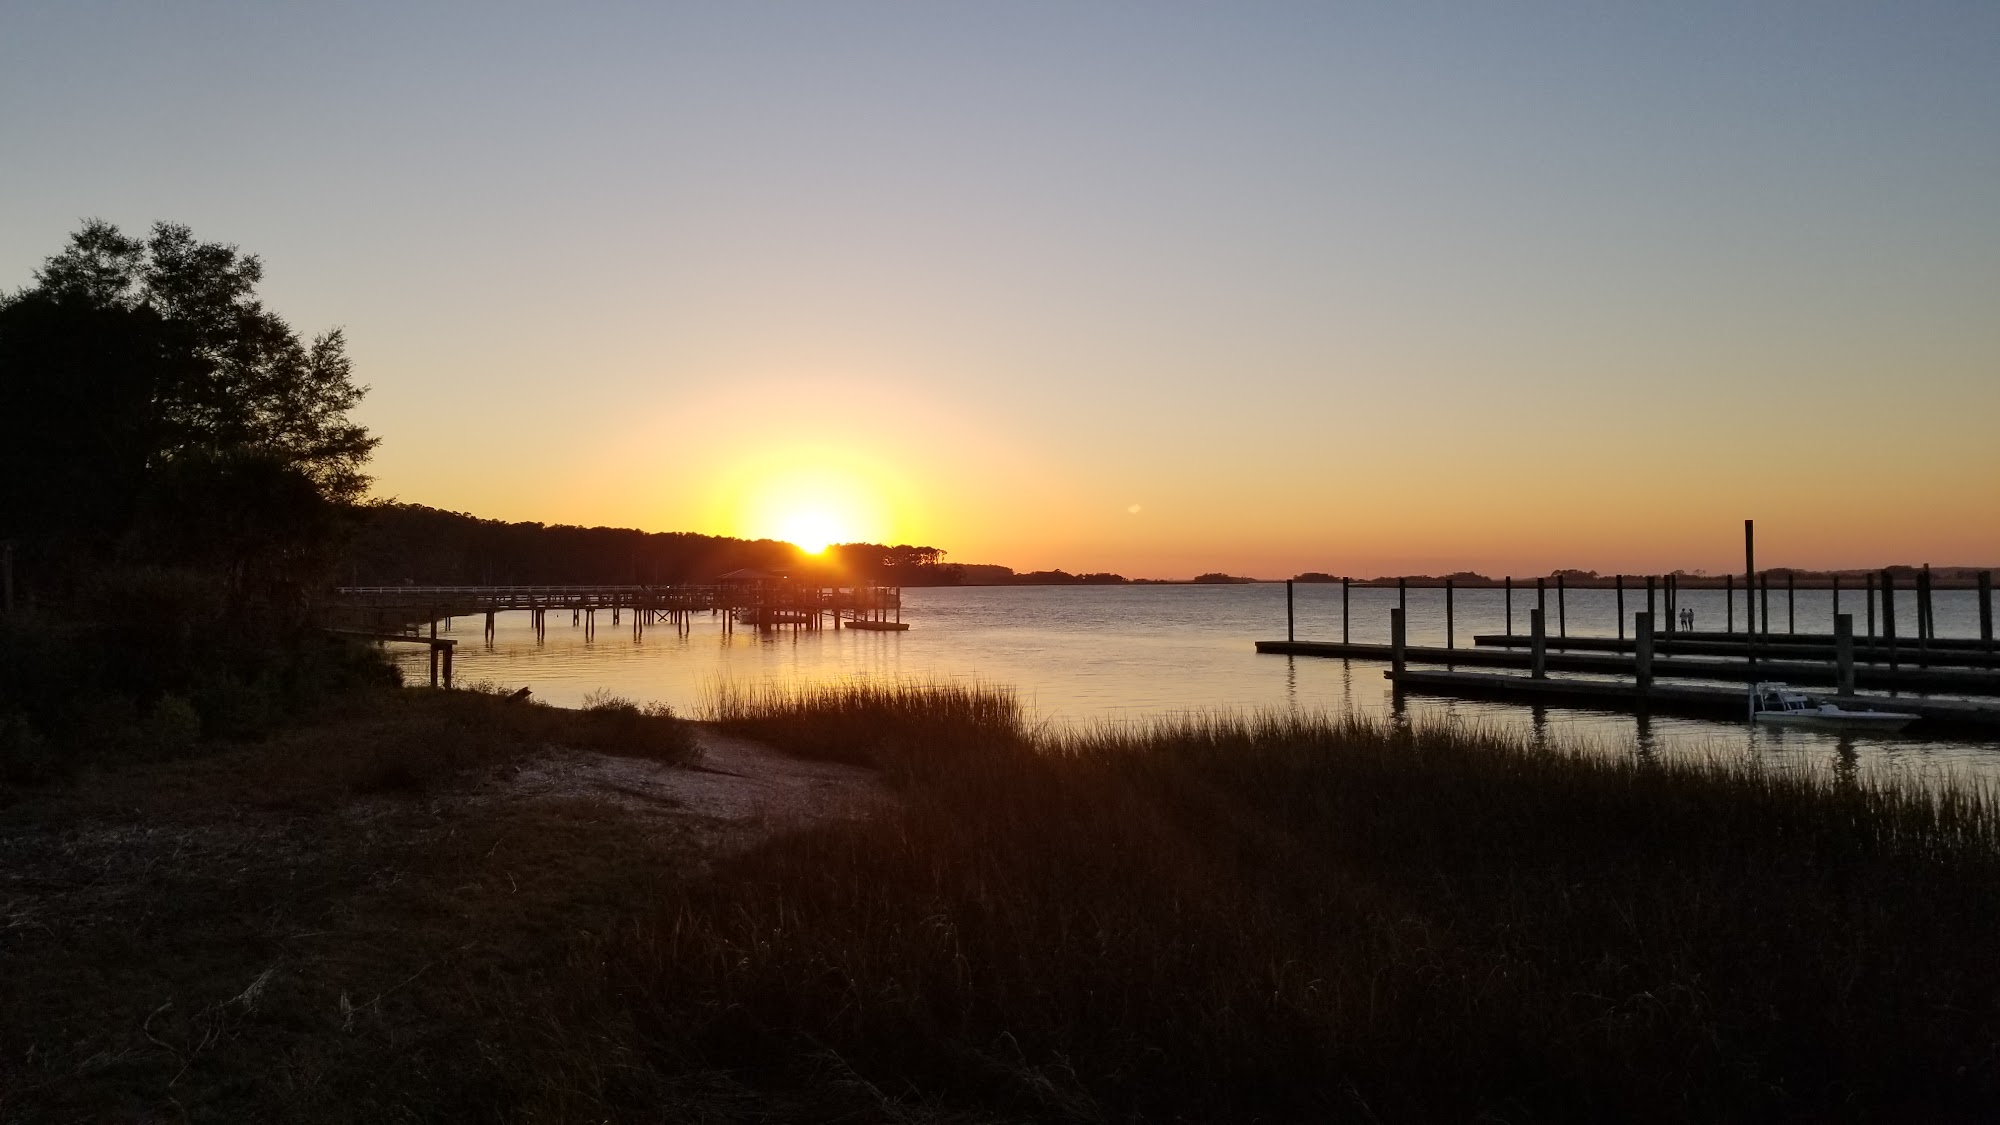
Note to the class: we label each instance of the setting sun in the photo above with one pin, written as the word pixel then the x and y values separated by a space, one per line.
pixel 812 531
pixel 811 498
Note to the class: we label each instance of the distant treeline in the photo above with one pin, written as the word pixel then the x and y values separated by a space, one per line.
pixel 413 544
pixel 1586 579
pixel 984 575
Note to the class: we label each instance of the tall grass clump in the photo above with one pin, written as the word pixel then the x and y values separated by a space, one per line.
pixel 893 725
pixel 1290 918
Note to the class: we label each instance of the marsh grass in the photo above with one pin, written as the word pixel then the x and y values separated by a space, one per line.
pixel 1290 917
pixel 1211 918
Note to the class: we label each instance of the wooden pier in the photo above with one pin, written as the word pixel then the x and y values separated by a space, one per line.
pixel 1630 675
pixel 1714 702
pixel 763 602
pixel 1941 652
pixel 1563 658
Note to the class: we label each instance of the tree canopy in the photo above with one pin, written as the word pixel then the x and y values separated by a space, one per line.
pixel 143 380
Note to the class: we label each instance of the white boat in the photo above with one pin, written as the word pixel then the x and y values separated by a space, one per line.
pixel 1778 703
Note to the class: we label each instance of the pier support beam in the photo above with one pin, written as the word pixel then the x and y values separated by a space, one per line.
pixel 1396 640
pixel 1538 646
pixel 1926 625
pixel 1447 615
pixel 1510 605
pixel 1750 588
pixel 1986 610
pixel 1343 611
pixel 1642 651
pixel 1843 651
pixel 1620 584
pixel 1291 634
pixel 1870 583
pixel 1889 615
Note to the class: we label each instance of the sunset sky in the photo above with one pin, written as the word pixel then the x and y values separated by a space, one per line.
pixel 1153 288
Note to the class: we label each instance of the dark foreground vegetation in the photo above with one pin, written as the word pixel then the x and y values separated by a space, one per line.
pixel 1277 920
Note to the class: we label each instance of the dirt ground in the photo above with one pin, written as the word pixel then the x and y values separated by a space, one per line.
pixel 275 932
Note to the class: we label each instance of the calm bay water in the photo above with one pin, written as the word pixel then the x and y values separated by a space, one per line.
pixel 1124 653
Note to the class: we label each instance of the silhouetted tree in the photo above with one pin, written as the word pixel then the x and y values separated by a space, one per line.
pixel 148 392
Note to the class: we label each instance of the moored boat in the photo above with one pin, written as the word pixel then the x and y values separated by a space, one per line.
pixel 1778 704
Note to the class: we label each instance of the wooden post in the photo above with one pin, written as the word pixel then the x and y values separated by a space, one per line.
pixel 1924 622
pixel 1650 608
pixel 1986 610
pixel 1510 605
pixel 1843 650
pixel 1670 601
pixel 1402 595
pixel 1562 614
pixel 1870 584
pixel 1836 594
pixel 1343 611
pixel 1642 651
pixel 1750 589
pixel 1447 615
pixel 1396 640
pixel 1538 646
pixel 1764 604
pixel 1621 607
pixel 1889 615
pixel 1290 634
pixel 434 662
pixel 1542 596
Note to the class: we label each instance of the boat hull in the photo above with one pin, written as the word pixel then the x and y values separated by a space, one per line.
pixel 1885 721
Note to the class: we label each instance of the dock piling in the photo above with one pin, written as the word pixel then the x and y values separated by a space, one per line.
pixel 1562 615
pixel 1750 588
pixel 1642 651
pixel 1843 650
pixel 1764 605
pixel 1870 584
pixel 1925 624
pixel 1986 610
pixel 1510 605
pixel 1889 615
pixel 1621 606
pixel 1396 640
pixel 1290 633
pixel 1538 652
pixel 1447 615
pixel 1343 611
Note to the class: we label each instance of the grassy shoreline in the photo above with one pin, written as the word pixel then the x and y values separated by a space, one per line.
pixel 1274 919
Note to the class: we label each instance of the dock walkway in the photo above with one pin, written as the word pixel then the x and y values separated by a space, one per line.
pixel 1684 698
pixel 1907 678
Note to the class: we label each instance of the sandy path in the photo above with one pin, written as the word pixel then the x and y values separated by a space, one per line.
pixel 737 784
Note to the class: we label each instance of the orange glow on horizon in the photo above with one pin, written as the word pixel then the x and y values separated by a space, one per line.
pixel 811 499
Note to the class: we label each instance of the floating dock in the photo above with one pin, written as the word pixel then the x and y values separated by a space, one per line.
pixel 1907 678
pixel 1936 651
pixel 880 626
pixel 1983 716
